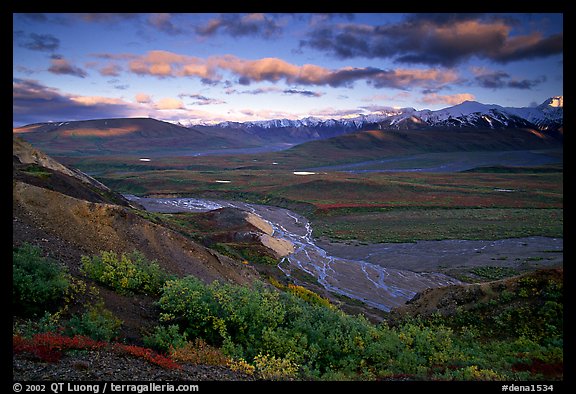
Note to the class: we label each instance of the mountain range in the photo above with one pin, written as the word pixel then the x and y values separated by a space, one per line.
pixel 146 136
pixel 471 114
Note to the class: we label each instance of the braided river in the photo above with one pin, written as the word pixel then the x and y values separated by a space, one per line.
pixel 382 276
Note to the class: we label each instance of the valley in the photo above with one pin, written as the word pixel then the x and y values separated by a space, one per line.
pixel 378 226
pixel 383 275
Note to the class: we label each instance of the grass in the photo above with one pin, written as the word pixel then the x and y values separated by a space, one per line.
pixel 409 224
pixel 368 207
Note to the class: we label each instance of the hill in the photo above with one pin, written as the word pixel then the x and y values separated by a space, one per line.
pixel 68 214
pixel 214 303
pixel 376 144
pixel 485 125
pixel 138 136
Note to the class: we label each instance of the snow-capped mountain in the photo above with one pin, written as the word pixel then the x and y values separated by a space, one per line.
pixel 466 115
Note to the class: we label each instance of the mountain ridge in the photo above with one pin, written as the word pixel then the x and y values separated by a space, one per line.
pixel 541 116
pixel 148 136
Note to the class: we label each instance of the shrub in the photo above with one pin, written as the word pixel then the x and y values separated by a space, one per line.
pixel 49 347
pixel 39 283
pixel 166 337
pixel 240 365
pixel 127 273
pixel 97 323
pixel 199 352
pixel 287 337
pixel 148 355
pixel 248 322
pixel 272 368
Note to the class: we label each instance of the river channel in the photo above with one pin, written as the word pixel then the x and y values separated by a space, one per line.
pixel 373 276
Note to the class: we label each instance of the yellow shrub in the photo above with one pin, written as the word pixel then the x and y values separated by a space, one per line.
pixel 241 365
pixel 272 368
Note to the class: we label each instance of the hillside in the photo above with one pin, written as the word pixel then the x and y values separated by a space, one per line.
pixel 208 302
pixel 68 214
pixel 139 136
pixel 375 144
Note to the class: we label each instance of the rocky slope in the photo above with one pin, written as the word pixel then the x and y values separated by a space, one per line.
pixel 68 215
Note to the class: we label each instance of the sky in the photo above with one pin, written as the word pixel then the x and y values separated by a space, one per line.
pixel 208 67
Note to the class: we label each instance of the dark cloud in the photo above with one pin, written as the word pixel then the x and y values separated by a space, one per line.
pixel 201 100
pixel 64 67
pixel 495 80
pixel 526 83
pixel 500 80
pixel 443 18
pixel 106 17
pixel 274 89
pixel 306 93
pixel 530 47
pixel 433 39
pixel 34 16
pixel 33 102
pixel 238 25
pixel 163 22
pixel 37 42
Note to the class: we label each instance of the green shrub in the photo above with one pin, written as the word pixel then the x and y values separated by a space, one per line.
pixel 248 322
pixel 165 338
pixel 127 273
pixel 39 283
pixel 97 323
pixel 287 337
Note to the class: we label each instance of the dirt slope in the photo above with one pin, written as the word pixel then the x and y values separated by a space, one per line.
pixel 95 227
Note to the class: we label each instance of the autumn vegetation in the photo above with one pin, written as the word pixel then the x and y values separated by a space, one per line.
pixel 282 332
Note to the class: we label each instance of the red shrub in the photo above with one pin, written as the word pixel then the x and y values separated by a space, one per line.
pixel 148 355
pixel 49 347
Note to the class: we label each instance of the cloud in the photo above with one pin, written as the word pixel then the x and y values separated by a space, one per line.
pixel 110 70
pixel 433 40
pixel 169 103
pixel 274 89
pixel 161 63
pixel 201 100
pixel 500 80
pixel 452 99
pixel 106 17
pixel 529 47
pixel 63 66
pixel 37 42
pixel 306 93
pixel 238 25
pixel 143 98
pixel 34 102
pixel 163 22
pixel 165 64
pixel 96 100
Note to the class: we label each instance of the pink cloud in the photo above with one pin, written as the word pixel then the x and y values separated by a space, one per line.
pixel 169 103
pixel 168 64
pixel 452 99
pixel 63 66
pixel 143 98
